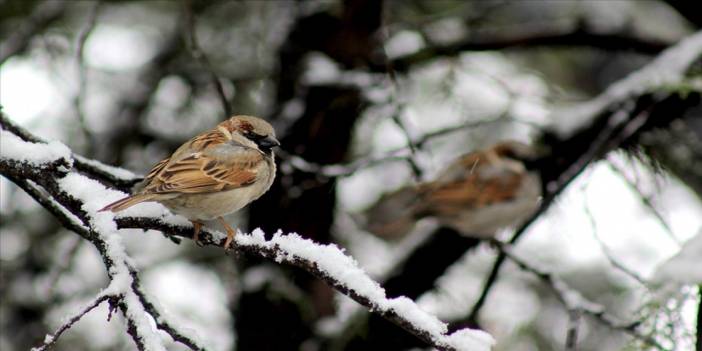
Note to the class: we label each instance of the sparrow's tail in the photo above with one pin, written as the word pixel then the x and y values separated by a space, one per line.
pixel 127 202
pixel 395 214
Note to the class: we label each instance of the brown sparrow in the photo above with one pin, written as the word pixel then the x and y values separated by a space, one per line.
pixel 477 194
pixel 213 174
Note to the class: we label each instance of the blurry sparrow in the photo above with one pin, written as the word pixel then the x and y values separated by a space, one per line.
pixel 477 194
pixel 213 174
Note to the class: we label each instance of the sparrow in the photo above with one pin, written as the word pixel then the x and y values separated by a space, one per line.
pixel 213 174
pixel 477 194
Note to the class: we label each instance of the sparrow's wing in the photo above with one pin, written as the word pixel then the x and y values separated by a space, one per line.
pixel 479 187
pixel 156 170
pixel 219 165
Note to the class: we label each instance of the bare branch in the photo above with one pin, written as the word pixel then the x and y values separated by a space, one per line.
pixel 572 330
pixel 573 301
pixel 199 55
pixel 619 127
pixel 572 34
pixel 51 339
pixel 82 74
pixel 607 252
pixel 646 200
pixel 43 15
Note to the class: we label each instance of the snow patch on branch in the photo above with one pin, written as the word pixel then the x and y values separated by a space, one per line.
pixel 668 68
pixel 92 194
pixel 14 148
pixel 345 271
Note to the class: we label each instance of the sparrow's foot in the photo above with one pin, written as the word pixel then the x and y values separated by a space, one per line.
pixel 230 234
pixel 196 232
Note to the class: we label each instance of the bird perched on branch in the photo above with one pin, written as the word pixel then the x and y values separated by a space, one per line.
pixel 213 174
pixel 477 194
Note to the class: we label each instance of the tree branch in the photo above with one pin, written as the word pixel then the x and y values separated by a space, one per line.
pixel 573 301
pixel 43 15
pixel 74 198
pixel 535 35
pixel 51 339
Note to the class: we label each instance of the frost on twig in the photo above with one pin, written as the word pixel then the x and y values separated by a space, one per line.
pixel 47 173
pixel 573 301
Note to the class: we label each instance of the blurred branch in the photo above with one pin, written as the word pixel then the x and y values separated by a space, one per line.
pixel 606 251
pixel 79 97
pixel 197 53
pixel 572 330
pixel 67 258
pixel 44 14
pixel 398 154
pixel 573 301
pixel 617 117
pixel 533 35
pixel 645 200
pixel 397 106
pixel 51 339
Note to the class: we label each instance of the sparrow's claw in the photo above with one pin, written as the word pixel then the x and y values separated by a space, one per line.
pixel 230 234
pixel 196 233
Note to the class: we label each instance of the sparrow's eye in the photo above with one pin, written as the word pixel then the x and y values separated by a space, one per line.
pixel 265 142
pixel 253 136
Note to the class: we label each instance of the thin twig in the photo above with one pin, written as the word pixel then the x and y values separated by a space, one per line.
pixel 44 14
pixel 51 339
pixel 646 200
pixel 565 296
pixel 79 97
pixel 68 257
pixel 572 330
pixel 199 55
pixel 605 249
pixel 397 154
pixel 397 110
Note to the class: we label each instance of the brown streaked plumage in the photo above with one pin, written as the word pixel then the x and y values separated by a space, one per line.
pixel 477 194
pixel 215 173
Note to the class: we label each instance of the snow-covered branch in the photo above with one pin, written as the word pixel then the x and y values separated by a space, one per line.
pixel 573 301
pixel 48 173
pixel 51 339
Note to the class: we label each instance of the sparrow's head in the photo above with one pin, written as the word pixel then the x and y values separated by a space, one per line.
pixel 254 129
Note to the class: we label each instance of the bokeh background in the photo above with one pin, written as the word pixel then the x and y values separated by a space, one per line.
pixel 345 83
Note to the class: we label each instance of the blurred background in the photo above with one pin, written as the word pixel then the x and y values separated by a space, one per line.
pixel 386 92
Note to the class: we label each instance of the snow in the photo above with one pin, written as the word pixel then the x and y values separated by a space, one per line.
pixel 12 147
pixel 667 68
pixel 470 339
pixel 116 171
pixel 685 267
pixel 345 270
pixel 93 194
pixel 403 43
pixel 409 310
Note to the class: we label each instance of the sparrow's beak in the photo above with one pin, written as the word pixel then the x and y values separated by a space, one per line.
pixel 268 142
